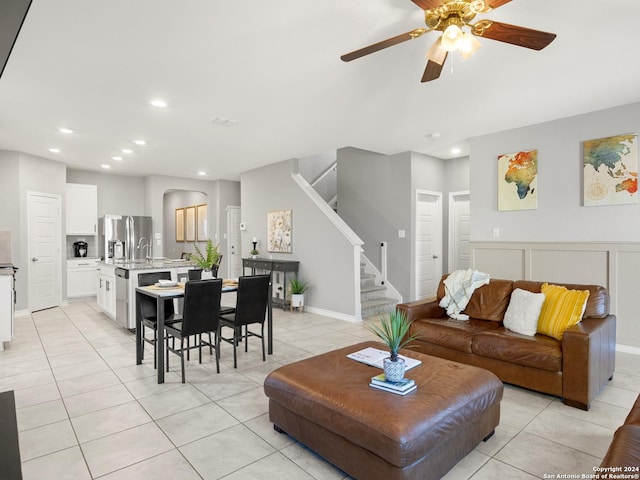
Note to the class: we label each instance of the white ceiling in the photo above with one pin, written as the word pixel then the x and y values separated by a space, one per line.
pixel 274 67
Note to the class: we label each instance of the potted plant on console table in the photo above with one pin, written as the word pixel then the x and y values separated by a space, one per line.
pixel 393 331
pixel 208 261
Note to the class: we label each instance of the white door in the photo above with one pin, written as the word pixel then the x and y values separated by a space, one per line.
pixel 459 231
pixel 44 251
pixel 428 243
pixel 234 265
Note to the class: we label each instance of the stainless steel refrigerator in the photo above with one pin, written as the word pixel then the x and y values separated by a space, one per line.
pixel 126 238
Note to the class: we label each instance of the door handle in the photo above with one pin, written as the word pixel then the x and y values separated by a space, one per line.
pixel 435 256
pixel 34 259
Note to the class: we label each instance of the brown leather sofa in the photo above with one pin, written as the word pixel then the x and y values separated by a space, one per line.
pixel 575 368
pixel 624 451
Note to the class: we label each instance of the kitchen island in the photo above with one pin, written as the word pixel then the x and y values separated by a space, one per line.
pixel 117 283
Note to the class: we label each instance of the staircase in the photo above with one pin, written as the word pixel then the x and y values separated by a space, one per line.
pixel 373 297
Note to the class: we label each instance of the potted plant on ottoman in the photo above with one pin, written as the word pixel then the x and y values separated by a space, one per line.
pixel 393 331
pixel 208 260
pixel 297 288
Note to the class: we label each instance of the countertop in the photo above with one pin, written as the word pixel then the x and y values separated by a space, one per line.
pixel 150 265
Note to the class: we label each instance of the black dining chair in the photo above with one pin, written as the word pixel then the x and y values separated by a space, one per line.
pixel 149 312
pixel 200 315
pixel 251 307
pixel 195 274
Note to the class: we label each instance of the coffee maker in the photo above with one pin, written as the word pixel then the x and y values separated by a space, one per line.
pixel 80 249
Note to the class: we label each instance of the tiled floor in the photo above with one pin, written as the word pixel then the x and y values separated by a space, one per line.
pixel 85 410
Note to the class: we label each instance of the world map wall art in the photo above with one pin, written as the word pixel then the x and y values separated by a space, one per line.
pixel 611 170
pixel 518 181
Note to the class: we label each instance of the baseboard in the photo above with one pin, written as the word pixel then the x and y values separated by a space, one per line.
pixel 332 314
pixel 22 313
pixel 627 349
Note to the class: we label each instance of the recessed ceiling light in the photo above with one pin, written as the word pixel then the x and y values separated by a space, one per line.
pixel 105 166
pixel 117 159
pixel 158 103
pixel 202 174
pixel 140 142
pixel 65 130
pixel 54 150
pixel 456 150
pixel 126 150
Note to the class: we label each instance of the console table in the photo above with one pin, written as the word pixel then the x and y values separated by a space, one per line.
pixel 270 265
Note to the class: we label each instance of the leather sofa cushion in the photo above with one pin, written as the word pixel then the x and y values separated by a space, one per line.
pixel 453 334
pixel 540 351
pixel 488 302
pixel 597 303
pixel 624 450
pixel 634 415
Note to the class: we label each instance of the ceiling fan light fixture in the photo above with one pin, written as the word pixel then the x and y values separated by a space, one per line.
pixel 451 38
pixel 468 45
pixel 436 53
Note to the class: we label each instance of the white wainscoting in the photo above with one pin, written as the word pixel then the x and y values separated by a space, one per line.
pixel 613 265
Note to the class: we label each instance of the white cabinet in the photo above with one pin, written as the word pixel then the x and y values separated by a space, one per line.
pixel 82 209
pixel 82 277
pixel 7 311
pixel 106 295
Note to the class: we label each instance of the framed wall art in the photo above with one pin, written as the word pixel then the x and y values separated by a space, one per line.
pixel 279 231
pixel 179 224
pixel 518 181
pixel 190 224
pixel 201 220
pixel 610 168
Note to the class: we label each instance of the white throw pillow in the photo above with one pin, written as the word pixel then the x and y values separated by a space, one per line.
pixel 523 312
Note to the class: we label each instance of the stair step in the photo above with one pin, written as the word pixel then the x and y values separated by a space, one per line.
pixel 367 280
pixel 372 293
pixel 378 306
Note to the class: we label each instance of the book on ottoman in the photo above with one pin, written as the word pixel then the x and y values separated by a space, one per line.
pixel 402 387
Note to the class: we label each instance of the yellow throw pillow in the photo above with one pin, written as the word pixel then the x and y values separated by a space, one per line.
pixel 562 308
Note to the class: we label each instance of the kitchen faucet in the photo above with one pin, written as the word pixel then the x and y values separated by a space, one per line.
pixel 146 245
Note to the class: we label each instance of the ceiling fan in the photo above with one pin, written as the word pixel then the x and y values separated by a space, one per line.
pixel 450 17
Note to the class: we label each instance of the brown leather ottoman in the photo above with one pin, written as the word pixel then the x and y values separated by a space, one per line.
pixel 325 402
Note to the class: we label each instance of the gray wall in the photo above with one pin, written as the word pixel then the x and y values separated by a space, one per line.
pixel 560 216
pixel 21 173
pixel 217 193
pixel 117 194
pixel 179 199
pixel 9 200
pixel 376 197
pixel 326 257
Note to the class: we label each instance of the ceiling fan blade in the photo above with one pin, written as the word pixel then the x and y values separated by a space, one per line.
pixel 389 42
pixel 493 4
pixel 432 71
pixel 513 34
pixel 429 4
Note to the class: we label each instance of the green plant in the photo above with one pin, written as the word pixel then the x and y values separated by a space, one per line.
pixel 209 259
pixel 297 286
pixel 254 252
pixel 393 331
